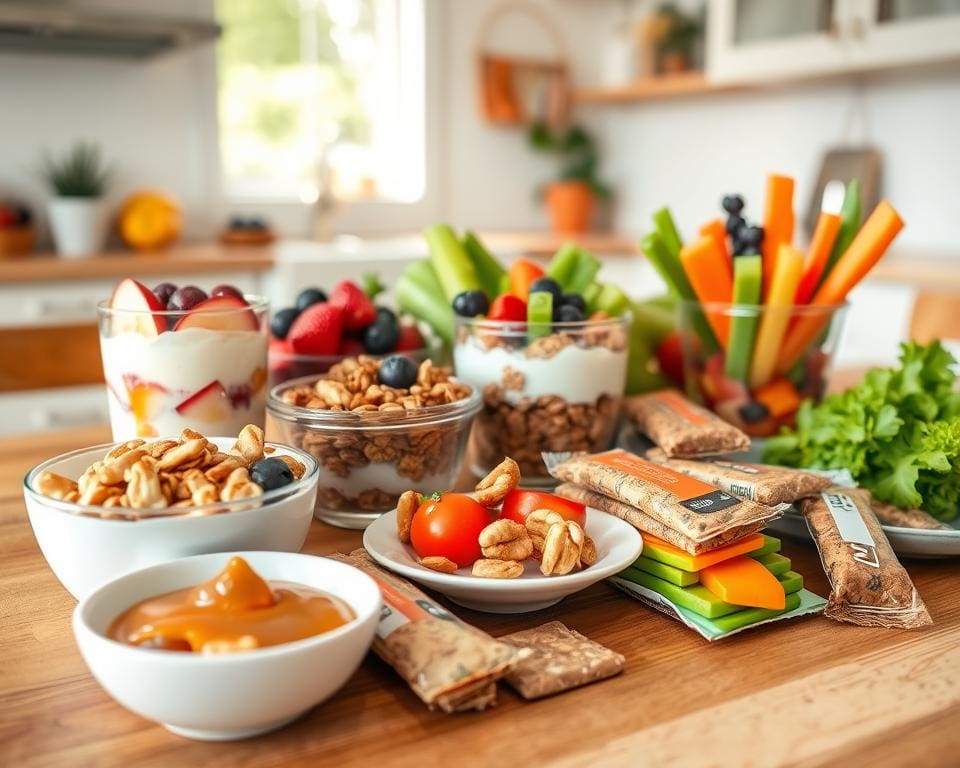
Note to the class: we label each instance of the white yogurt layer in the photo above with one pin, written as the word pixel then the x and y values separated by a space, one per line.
pixel 577 374
pixel 383 475
pixel 181 364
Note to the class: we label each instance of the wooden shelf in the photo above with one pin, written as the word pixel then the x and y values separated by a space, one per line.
pixel 683 84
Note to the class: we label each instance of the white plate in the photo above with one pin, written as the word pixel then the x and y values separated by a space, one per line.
pixel 618 545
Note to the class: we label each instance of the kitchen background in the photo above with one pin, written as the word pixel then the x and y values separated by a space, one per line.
pixel 786 82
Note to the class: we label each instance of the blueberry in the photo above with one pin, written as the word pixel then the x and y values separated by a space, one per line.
pixel 398 371
pixel 281 321
pixel 237 222
pixel 751 237
pixel 226 290
pixel 732 204
pixel 382 336
pixel 568 314
pixel 753 412
pixel 163 292
pixel 308 297
pixel 271 473
pixel 186 298
pixel 471 303
pixel 574 300
pixel 734 222
pixel 547 285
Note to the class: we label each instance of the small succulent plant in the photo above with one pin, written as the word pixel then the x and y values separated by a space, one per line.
pixel 79 172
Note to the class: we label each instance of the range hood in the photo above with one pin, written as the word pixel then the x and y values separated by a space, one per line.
pixel 47 27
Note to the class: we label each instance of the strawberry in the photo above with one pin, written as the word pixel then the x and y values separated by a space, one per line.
pixel 317 330
pixel 410 339
pixel 358 309
pixel 508 307
pixel 350 347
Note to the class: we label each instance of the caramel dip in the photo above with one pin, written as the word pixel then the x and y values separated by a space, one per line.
pixel 236 610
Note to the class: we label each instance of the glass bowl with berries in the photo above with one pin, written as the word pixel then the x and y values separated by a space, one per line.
pixel 319 331
pixel 178 357
pixel 377 426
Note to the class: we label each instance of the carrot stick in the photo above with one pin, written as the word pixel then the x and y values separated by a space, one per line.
pixel 710 277
pixel 777 223
pixel 776 314
pixel 718 232
pixel 867 247
pixel 828 225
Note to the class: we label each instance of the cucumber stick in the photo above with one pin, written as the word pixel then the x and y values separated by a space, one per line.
pixel 453 266
pixel 539 314
pixel 849 225
pixel 747 284
pixel 418 292
pixel 489 271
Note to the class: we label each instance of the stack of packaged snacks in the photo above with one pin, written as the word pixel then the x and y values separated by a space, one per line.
pixel 721 592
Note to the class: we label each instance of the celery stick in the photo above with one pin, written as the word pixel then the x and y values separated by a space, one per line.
pixel 416 295
pixel 584 271
pixel 612 300
pixel 663 221
pixel 770 546
pixel 642 374
pixel 747 283
pixel 489 271
pixel 562 265
pixel 590 295
pixel 666 572
pixel 752 615
pixel 653 320
pixel 451 262
pixel 849 225
pixel 539 314
pixel 774 562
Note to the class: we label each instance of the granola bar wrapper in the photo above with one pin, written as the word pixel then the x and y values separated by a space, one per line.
pixel 646 524
pixel 693 508
pixel 683 429
pixel 888 514
pixel 868 585
pixel 560 659
pixel 768 484
pixel 449 664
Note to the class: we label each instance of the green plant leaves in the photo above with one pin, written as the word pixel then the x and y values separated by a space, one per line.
pixel 80 172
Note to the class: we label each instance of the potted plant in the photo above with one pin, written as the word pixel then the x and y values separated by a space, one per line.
pixel 571 200
pixel 679 36
pixel 78 213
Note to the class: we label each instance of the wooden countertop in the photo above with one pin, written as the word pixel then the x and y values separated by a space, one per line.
pixel 805 692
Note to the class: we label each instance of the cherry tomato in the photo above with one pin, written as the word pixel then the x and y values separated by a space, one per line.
pixel 518 504
pixel 449 527
pixel 670 357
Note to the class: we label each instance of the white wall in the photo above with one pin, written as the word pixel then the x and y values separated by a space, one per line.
pixel 688 153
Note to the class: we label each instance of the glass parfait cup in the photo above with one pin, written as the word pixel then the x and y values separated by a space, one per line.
pixel 550 389
pixel 773 358
pixel 166 370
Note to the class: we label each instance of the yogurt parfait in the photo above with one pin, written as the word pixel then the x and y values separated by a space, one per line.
pixel 555 387
pixel 177 358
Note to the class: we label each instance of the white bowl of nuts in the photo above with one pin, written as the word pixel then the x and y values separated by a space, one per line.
pixel 103 511
pixel 377 427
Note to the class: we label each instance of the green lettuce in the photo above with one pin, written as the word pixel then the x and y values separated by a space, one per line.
pixel 898 432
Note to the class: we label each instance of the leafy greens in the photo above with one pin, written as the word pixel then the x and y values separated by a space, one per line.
pixel 898 432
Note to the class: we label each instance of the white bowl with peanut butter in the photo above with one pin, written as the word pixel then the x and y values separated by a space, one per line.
pixel 94 538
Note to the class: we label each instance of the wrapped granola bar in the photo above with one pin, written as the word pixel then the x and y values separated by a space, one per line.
pixel 768 484
pixel 646 524
pixel 561 659
pixel 682 428
pixel 868 585
pixel 888 514
pixel 691 507
pixel 449 664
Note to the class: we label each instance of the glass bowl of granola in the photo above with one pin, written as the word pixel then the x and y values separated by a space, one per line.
pixel 556 387
pixel 103 511
pixel 377 427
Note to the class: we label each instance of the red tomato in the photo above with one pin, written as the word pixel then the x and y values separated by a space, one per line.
pixel 508 307
pixel 449 527
pixel 518 504
pixel 670 357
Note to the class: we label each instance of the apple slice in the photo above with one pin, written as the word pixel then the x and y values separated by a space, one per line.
pixel 221 313
pixel 134 306
pixel 146 401
pixel 209 404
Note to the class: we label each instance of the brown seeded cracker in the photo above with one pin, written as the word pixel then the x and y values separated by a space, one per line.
pixel 768 484
pixel 561 659
pixel 691 507
pixel 682 428
pixel 646 524
pixel 868 585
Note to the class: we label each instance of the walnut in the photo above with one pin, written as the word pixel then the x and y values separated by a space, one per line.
pixel 561 548
pixel 250 444
pixel 497 569
pixel 441 564
pixel 506 540
pixel 143 487
pixel 588 555
pixel 240 486
pixel 112 472
pixel 492 489
pixel 183 455
pixel 406 506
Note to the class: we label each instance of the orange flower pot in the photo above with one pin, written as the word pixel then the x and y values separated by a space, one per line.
pixel 571 205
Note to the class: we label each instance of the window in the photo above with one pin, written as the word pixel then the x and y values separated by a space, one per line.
pixel 322 95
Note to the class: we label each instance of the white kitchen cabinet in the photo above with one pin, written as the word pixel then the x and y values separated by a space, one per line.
pixel 767 40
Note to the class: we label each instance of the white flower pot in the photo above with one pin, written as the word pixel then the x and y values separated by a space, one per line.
pixel 79 225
